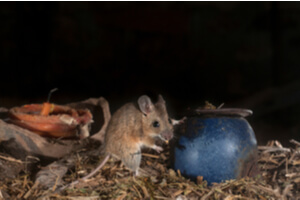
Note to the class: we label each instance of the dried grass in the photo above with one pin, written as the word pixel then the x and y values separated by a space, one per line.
pixel 279 179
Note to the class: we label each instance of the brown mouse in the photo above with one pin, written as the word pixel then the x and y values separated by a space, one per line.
pixel 135 126
pixel 132 127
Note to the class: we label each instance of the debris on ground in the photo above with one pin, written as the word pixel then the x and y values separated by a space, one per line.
pixel 279 179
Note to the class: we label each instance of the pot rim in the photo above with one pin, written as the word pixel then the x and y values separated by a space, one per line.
pixel 224 112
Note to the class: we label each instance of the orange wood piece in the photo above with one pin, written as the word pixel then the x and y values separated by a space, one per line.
pixel 49 119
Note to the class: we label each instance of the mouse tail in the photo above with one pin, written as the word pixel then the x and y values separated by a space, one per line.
pixel 97 169
pixel 84 178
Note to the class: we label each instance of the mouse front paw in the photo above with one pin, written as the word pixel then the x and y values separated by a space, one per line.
pixel 178 122
pixel 158 149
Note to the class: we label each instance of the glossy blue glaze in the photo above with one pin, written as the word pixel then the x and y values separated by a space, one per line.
pixel 217 148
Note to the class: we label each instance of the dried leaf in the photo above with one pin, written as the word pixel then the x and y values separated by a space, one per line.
pixel 172 173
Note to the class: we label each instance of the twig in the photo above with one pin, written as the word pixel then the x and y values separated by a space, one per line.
pixel 50 93
pixel 291 175
pixel 208 194
pixel 267 190
pixel 295 142
pixel 121 197
pixel 160 197
pixel 286 190
pixel 274 176
pixel 220 106
pixel 196 192
pixel 292 157
pixel 286 166
pixel 11 159
pixel 137 191
pixel 150 155
pixel 278 144
pixel 56 180
pixel 31 189
pixel 230 197
pixel 159 188
pixel 273 149
pixel 175 194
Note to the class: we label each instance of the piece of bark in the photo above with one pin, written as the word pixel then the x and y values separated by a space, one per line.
pixel 51 176
pixel 101 115
pixel 20 143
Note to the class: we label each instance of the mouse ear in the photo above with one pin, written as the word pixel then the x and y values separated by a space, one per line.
pixel 161 100
pixel 145 104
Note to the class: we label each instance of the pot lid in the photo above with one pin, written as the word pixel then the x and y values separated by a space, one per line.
pixel 224 111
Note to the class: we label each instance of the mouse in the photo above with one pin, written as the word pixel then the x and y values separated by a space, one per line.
pixel 135 126
pixel 132 127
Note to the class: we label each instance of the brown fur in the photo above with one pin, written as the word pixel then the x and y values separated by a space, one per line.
pixel 131 128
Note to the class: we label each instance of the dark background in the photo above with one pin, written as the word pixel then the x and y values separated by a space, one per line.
pixel 243 54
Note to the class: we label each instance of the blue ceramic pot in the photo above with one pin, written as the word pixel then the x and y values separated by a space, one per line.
pixel 218 145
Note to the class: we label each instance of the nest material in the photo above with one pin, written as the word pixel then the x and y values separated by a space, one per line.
pixel 279 179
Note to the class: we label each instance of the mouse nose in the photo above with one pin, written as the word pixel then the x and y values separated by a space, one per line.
pixel 167 135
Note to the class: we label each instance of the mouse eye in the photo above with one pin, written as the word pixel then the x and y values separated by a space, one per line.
pixel 156 124
pixel 170 121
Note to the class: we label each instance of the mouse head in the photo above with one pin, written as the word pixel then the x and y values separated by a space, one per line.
pixel 155 119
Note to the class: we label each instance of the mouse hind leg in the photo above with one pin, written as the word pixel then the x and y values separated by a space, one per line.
pixel 133 161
